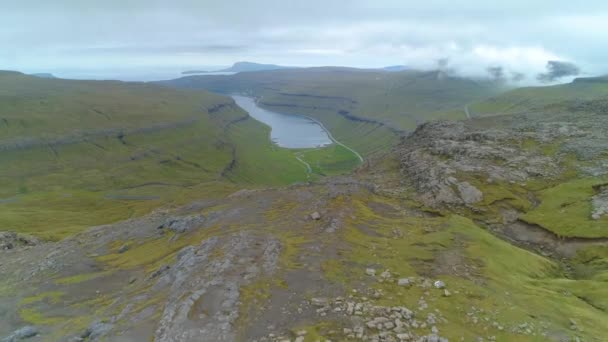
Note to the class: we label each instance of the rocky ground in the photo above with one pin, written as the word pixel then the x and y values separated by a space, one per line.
pixel 427 243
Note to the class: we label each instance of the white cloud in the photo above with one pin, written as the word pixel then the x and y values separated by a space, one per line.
pixel 519 35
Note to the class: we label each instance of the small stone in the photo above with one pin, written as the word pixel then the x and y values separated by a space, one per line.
pixel 386 274
pixel 319 301
pixel 350 308
pixel 370 272
pixel 301 333
pixel 446 293
pixel 439 284
pixel 315 216
pixel 299 339
pixel 404 282
pixel 123 248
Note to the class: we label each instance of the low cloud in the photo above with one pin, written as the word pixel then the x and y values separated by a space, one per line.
pixel 557 70
pixel 497 73
pixel 517 76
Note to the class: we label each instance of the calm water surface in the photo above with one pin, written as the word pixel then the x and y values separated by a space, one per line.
pixel 290 131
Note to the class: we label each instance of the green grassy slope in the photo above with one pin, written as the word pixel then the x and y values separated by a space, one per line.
pixel 536 99
pixel 81 153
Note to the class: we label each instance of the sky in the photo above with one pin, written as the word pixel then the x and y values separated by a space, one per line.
pixel 82 38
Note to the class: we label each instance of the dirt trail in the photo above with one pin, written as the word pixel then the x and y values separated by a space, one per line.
pixel 335 140
pixel 466 111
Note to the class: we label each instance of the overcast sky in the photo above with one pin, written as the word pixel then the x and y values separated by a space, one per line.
pixel 520 35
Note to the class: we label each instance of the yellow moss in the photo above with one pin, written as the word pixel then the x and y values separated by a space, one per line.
pixel 51 296
pixel 79 278
pixel 33 316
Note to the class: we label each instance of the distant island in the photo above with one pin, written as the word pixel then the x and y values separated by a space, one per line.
pixel 395 68
pixel 242 67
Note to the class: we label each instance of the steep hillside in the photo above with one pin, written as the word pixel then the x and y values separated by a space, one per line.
pixel 79 153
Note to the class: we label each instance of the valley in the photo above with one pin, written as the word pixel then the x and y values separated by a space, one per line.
pixel 423 208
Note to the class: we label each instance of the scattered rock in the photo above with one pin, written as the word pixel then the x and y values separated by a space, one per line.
pixel 370 272
pixel 319 301
pixel 386 274
pixel 315 216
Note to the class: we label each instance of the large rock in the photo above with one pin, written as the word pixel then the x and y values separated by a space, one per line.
pixel 21 334
pixel 469 193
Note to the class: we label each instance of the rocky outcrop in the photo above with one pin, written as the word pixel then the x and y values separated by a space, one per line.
pixel 11 240
pixel 183 224
pixel 204 291
pixel 440 158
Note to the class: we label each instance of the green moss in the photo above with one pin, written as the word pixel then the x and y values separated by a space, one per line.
pixel 565 209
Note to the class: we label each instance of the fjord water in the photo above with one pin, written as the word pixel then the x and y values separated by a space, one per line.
pixel 287 130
